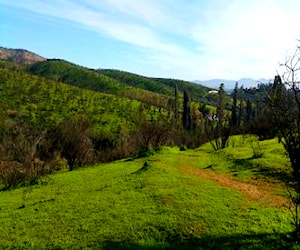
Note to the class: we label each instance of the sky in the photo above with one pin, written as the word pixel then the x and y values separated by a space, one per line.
pixel 183 39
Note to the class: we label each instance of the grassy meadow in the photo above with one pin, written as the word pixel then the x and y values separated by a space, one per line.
pixel 193 199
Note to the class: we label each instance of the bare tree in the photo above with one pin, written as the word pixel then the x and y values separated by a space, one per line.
pixel 151 135
pixel 20 162
pixel 284 102
pixel 76 143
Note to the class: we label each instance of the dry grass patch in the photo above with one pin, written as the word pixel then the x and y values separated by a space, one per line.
pixel 258 190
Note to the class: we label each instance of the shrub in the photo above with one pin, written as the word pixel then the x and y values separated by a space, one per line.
pixel 75 141
pixel 14 174
pixel 20 159
pixel 151 136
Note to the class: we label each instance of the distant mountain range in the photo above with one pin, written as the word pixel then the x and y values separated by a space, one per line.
pixel 230 84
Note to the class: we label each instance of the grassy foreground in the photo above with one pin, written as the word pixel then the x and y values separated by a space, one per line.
pixel 181 200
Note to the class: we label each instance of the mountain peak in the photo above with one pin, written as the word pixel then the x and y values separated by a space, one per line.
pixel 20 56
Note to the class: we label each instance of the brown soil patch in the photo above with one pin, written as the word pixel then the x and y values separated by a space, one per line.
pixel 258 190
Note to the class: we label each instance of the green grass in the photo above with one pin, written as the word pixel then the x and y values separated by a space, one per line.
pixel 247 158
pixel 123 205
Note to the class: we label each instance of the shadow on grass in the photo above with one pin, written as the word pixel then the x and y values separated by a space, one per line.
pixel 257 241
pixel 269 173
pixel 275 175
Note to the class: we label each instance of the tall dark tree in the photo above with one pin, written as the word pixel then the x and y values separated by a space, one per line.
pixel 176 105
pixel 241 106
pixel 186 115
pixel 221 103
pixel 234 106
pixel 248 110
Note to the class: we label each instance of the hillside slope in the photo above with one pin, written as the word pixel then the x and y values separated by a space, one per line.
pixel 47 102
pixel 164 205
pixel 164 86
pixel 114 81
pixel 60 70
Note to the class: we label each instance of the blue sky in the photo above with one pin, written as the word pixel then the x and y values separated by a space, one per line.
pixel 185 39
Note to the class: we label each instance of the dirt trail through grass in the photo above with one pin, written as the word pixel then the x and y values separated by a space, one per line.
pixel 259 190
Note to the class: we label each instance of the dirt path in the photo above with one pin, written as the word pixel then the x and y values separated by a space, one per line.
pixel 258 190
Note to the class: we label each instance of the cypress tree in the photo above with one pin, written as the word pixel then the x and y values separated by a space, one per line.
pixel 234 107
pixel 186 115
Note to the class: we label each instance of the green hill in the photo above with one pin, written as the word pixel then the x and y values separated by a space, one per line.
pixel 180 200
pixel 114 81
pixel 155 91
pixel 63 71
pixel 138 81
pixel 164 86
pixel 47 102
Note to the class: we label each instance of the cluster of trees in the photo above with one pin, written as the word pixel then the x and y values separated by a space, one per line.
pixel 27 153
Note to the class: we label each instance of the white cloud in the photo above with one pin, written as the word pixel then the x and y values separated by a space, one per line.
pixel 117 26
pixel 189 39
pixel 249 37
